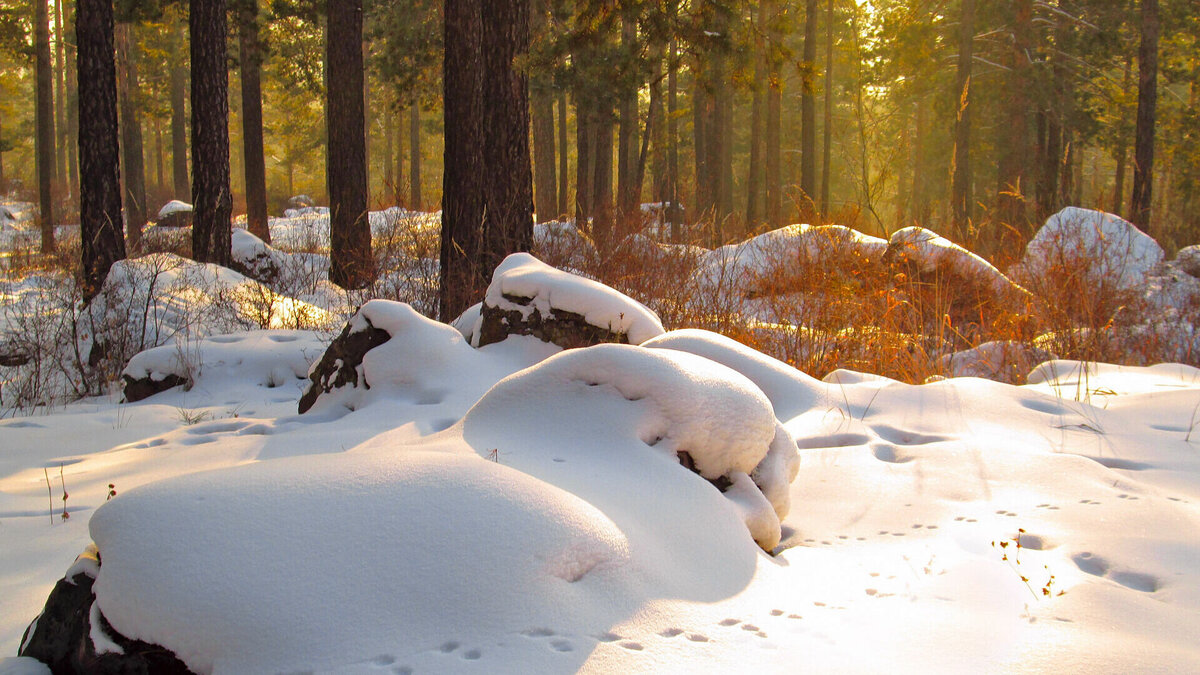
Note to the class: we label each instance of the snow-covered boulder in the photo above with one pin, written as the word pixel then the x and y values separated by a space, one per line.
pixel 528 297
pixel 930 255
pixel 254 257
pixel 71 635
pixel 1100 249
pixel 1188 260
pixel 1000 361
pixel 340 364
pixel 174 214
pixel 624 399
pixel 300 201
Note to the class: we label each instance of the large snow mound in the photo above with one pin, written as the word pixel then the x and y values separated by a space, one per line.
pixel 1106 249
pixel 281 566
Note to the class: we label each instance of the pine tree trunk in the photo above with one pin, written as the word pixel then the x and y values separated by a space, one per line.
pixel 212 203
pixel 563 176
pixel 808 109
pixel 350 264
pixel 389 172
pixel 414 160
pixel 627 130
pixel 160 175
pixel 462 280
pixel 701 102
pixel 44 122
pixel 585 163
pixel 772 160
pixel 250 50
pixel 541 111
pixel 922 209
pixel 179 132
pixel 960 183
pixel 1014 134
pixel 754 172
pixel 132 152
pixel 827 127
pixel 60 100
pixel 658 145
pixel 602 178
pixel 1143 153
pixel 72 106
pixel 101 242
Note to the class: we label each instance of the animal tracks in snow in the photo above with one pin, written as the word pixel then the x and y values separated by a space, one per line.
pixel 1098 566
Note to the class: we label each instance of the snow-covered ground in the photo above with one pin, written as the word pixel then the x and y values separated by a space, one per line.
pixel 517 508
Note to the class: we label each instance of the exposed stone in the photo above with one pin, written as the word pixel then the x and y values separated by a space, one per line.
pixel 62 635
pixel 339 364
pixel 253 257
pixel 300 201
pixel 138 388
pixel 565 329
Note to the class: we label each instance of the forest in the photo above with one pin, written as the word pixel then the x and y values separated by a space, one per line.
pixel 976 120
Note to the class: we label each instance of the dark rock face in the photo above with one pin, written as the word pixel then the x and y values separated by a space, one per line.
pixel 338 366
pixel 137 389
pixel 61 636
pixel 565 329
pixel 175 219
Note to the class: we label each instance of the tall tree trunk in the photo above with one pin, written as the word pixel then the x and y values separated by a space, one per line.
pixel 414 159
pixel 584 163
pixel 1014 135
pixel 60 100
pixel 563 178
pixel 627 128
pixel 961 199
pixel 398 193
pixel 674 213
pixel 179 132
pixel 1122 149
pixel 462 280
pixel 72 105
pixel 44 122
pixel 754 171
pixel 3 183
pixel 132 152
pixel 350 264
pixel 212 205
pixel 1143 153
pixel 827 127
pixel 160 175
pixel 773 153
pixel 250 51
pixel 922 209
pixel 808 109
pixel 541 112
pixel 101 243
pixel 602 175
pixel 389 172
pixel 701 102
pixel 658 145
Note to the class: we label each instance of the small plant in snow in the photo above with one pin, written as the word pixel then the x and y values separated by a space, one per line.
pixel 112 492
pixel 191 417
pixel 1014 547
pixel 65 514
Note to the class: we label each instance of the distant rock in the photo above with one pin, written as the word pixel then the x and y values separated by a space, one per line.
pixel 1100 250
pixel 174 214
pixel 300 201
pixel 528 297
pixel 1188 260
pixel 138 388
pixel 71 636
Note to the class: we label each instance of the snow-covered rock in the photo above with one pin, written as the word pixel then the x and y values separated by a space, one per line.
pixel 930 254
pixel 254 257
pixel 1002 361
pixel 528 297
pixel 1100 248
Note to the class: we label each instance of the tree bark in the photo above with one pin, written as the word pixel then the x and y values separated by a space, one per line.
pixel 658 135
pixel 44 122
pixel 674 213
pixel 808 109
pixel 60 100
pixel 389 150
pixel 1143 153
pixel 250 50
pixel 602 178
pixel 584 164
pixel 1014 135
pixel 462 280
pixel 212 203
pixel 101 243
pixel 755 175
pixel 627 128
pixel 542 117
pixel 350 264
pixel 133 162
pixel 772 164
pixel 72 106
pixel 960 191
pixel 563 169
pixel 179 157
pixel 414 150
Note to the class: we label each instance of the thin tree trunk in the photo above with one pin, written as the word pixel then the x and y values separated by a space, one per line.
pixel 414 159
pixel 3 183
pixel 658 145
pixel 1143 153
pixel 212 204
pixel 675 212
pixel 1014 135
pixel 179 132
pixel 701 101
pixel 827 128
pixel 462 280
pixel 960 191
pixel 101 243
pixel 132 153
pixel 350 263
pixel 602 176
pixel 754 171
pixel 584 163
pixel 252 126
pixel 389 170
pixel 627 130
pixel 922 210
pixel 60 100
pixel 160 177
pixel 44 122
pixel 72 106
pixel 808 108
pixel 773 153
pixel 563 177
pixel 541 111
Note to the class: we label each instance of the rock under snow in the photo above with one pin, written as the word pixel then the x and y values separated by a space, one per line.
pixel 254 257
pixel 528 297
pixel 174 214
pixel 1004 361
pixel 1105 250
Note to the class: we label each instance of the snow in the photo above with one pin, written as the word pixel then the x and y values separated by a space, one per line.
pixel 547 289
pixel 518 508
pixel 173 206
pixel 1105 249
pixel 930 251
